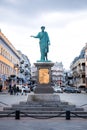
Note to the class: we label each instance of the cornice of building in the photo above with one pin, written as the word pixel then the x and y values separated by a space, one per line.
pixel 79 61
pixel 9 44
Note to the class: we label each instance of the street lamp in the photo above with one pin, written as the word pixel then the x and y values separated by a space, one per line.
pixel 16 67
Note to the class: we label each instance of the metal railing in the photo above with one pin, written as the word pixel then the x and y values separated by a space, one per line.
pixel 17 114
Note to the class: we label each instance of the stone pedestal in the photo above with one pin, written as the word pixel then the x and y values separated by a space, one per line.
pixel 43 98
pixel 44 77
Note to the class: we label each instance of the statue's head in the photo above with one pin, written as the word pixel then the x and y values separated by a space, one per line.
pixel 42 27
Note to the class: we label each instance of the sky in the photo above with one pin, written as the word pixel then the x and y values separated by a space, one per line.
pixel 64 20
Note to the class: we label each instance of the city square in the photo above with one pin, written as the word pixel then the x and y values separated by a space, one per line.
pixel 30 123
pixel 43 65
pixel 76 99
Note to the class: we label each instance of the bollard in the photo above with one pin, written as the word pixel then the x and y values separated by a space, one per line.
pixel 67 115
pixel 17 115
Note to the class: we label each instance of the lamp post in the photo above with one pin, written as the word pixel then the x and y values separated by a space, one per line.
pixel 16 67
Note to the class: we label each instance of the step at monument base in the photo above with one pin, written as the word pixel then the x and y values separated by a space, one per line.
pixel 43 97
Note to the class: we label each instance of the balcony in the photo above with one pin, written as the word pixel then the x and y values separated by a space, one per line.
pixel 82 71
pixel 76 74
pixel 27 73
pixel 26 65
pixel 22 62
pixel 21 70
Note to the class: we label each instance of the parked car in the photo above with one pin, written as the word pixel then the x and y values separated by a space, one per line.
pixel 58 89
pixel 86 90
pixel 19 86
pixel 77 90
pixel 82 88
pixel 69 90
pixel 32 87
pixel 26 89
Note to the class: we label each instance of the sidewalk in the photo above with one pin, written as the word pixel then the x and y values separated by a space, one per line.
pixel 45 124
pixel 4 92
pixel 6 100
pixel 36 124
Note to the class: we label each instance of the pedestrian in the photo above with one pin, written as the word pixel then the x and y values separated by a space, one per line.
pixel 1 85
pixel 22 90
pixel 14 89
pixel 17 88
pixel 10 89
pixel 26 89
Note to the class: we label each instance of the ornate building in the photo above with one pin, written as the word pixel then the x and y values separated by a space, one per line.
pixel 25 68
pixel 58 73
pixel 86 65
pixel 33 73
pixel 14 65
pixel 9 58
pixel 78 69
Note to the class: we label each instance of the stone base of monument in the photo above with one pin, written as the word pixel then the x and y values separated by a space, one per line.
pixel 43 98
pixel 43 90
pixel 43 77
pixel 42 106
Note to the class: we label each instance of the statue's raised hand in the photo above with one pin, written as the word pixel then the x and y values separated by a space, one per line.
pixel 31 36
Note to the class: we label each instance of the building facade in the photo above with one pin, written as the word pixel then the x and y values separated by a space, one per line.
pixel 24 69
pixel 78 70
pixel 15 67
pixel 33 73
pixel 58 74
pixel 9 58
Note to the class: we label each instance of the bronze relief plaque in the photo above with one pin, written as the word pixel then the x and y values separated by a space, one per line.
pixel 43 76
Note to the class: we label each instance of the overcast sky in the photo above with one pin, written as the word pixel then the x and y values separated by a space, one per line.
pixel 65 22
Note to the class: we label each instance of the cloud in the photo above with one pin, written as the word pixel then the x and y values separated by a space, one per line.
pixel 42 5
pixel 33 11
pixel 36 7
pixel 65 21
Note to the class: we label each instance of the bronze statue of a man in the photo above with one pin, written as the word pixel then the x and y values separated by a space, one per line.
pixel 44 44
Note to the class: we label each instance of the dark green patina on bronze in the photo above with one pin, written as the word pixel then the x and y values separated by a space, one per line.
pixel 44 43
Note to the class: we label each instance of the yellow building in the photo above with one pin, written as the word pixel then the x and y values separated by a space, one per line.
pixel 9 58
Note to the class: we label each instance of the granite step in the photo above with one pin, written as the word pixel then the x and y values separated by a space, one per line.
pixel 43 103
pixel 33 108
pixel 47 105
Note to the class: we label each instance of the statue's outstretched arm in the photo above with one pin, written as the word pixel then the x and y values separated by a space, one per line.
pixel 37 36
pixel 32 36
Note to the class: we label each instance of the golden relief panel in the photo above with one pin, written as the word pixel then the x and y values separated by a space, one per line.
pixel 43 76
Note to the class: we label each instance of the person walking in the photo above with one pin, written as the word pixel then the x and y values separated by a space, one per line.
pixel 1 85
pixel 14 89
